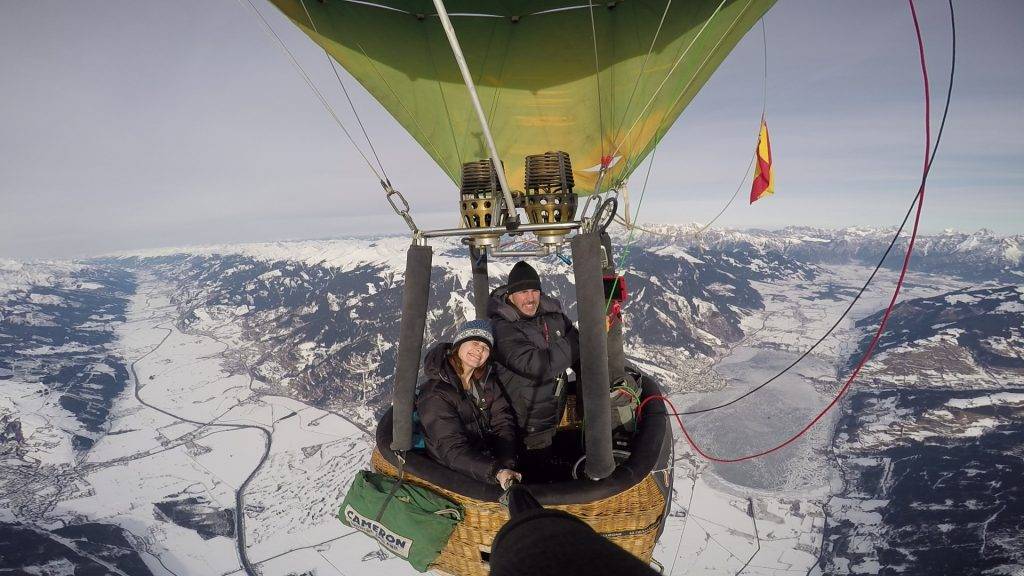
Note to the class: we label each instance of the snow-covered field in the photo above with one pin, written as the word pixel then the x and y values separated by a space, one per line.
pixel 200 434
pixel 208 467
pixel 290 502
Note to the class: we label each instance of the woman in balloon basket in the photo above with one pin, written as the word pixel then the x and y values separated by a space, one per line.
pixel 468 423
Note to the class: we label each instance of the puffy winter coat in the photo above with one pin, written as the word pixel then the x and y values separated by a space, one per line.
pixel 532 353
pixel 475 440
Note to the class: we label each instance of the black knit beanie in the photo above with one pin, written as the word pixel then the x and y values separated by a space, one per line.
pixel 523 277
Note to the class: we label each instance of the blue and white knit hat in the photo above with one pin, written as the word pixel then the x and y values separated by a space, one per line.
pixel 474 330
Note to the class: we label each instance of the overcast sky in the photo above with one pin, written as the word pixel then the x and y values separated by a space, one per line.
pixel 136 124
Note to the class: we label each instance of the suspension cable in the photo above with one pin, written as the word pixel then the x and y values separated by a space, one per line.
pixel 881 261
pixel 351 105
pixel 764 106
pixel 929 156
pixel 394 94
pixel 467 78
pixel 629 240
pixel 605 161
pixel 634 155
pixel 643 68
pixel 312 86
pixel 444 100
pixel 662 129
pixel 669 74
pixel 597 80
pixel 696 233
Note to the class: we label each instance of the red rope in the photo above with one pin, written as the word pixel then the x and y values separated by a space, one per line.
pixel 888 311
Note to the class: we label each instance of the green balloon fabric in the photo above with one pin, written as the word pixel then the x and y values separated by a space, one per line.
pixel 533 62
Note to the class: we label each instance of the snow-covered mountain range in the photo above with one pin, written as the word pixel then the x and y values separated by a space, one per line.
pixel 324 324
pixel 236 339
pixel 322 317
pixel 977 256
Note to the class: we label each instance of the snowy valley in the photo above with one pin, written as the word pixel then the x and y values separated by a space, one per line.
pixel 202 410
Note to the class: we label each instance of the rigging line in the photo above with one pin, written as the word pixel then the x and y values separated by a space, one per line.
pixel 597 79
pixel 467 14
pixel 657 141
pixel 376 5
pixel 630 238
pixel 312 86
pixel 467 79
pixel 672 70
pixel 696 233
pixel 764 106
pixel 501 81
pixel 440 90
pixel 661 127
pixel 483 70
pixel 735 195
pixel 394 94
pixel 929 154
pixel 557 10
pixel 892 243
pixel 764 79
pixel 643 67
pixel 347 97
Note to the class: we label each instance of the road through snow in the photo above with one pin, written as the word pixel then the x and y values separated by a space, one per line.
pixel 240 493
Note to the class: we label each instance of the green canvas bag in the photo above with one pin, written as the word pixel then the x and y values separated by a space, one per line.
pixel 409 521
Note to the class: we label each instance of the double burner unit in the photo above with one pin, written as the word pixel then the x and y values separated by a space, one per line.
pixel 548 198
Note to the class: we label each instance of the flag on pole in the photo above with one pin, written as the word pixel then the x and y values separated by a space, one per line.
pixel 764 176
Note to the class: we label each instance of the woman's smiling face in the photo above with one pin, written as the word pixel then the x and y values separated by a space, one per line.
pixel 474 353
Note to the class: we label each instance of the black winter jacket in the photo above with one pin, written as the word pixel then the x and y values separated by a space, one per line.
pixel 532 352
pixel 470 440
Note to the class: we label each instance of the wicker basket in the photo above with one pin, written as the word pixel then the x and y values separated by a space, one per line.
pixel 630 519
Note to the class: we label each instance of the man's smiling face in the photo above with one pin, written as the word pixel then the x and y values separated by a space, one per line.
pixel 526 301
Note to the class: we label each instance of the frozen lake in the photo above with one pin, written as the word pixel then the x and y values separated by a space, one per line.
pixel 764 420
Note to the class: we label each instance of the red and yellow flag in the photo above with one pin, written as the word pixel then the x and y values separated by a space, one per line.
pixel 764 176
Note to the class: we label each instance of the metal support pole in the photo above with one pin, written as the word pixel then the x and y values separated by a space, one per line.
pixel 410 343
pixel 453 40
pixel 593 380
pixel 616 352
pixel 499 230
pixel 544 251
pixel 481 288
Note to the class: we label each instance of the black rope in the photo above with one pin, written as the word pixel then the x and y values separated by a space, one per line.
pixel 344 90
pixel 440 91
pixel 394 489
pixel 312 86
pixel 597 78
pixel 917 196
